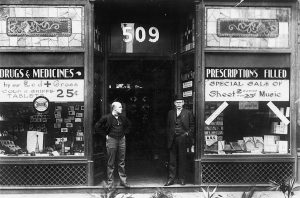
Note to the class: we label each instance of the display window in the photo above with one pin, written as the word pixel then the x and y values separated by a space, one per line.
pixel 247 95
pixel 41 111
pixel 247 111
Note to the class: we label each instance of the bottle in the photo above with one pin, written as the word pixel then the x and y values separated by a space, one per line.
pixel 37 147
pixel 62 146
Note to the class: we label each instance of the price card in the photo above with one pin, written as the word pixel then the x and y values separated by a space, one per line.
pixel 56 84
pixel 54 90
pixel 247 84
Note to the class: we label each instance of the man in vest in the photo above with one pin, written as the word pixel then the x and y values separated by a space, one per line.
pixel 179 128
pixel 114 126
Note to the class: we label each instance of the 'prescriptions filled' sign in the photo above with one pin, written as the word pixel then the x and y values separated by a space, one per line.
pixel 247 84
pixel 56 84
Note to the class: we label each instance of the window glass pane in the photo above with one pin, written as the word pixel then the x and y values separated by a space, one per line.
pixel 42 106
pixel 26 132
pixel 247 110
pixel 246 128
pixel 247 27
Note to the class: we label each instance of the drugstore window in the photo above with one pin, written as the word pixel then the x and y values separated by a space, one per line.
pixel 26 132
pixel 247 110
pixel 41 111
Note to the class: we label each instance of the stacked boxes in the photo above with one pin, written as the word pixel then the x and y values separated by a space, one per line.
pixel 270 145
pixel 214 131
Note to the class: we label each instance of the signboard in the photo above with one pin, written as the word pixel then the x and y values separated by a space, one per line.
pixel 56 84
pixel 39 26
pixel 247 105
pixel 187 84
pixel 148 37
pixel 187 93
pixel 247 84
pixel 257 28
pixel 187 87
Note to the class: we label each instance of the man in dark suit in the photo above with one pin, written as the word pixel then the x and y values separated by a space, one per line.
pixel 114 126
pixel 179 128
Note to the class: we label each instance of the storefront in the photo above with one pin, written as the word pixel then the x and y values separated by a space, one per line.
pixel 247 92
pixel 45 129
pixel 63 62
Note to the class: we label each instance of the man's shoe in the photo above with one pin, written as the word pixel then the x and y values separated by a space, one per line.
pixel 169 182
pixel 182 182
pixel 125 185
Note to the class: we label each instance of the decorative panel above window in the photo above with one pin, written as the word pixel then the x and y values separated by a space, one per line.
pixel 250 27
pixel 41 26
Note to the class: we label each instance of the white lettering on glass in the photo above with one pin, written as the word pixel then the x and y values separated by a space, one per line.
pixel 139 33
pixel 127 34
pixel 153 32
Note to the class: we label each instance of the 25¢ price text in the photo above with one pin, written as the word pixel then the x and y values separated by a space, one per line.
pixel 69 93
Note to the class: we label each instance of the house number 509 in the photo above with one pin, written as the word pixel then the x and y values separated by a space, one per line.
pixel 140 34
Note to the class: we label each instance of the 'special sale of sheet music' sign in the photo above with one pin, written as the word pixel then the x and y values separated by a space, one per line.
pixel 247 84
pixel 57 84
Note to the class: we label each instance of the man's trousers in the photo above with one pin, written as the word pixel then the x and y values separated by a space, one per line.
pixel 177 163
pixel 115 147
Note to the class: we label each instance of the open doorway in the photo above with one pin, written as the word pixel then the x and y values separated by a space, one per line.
pixel 145 89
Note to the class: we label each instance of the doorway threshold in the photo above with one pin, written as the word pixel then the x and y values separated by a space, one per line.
pixel 150 184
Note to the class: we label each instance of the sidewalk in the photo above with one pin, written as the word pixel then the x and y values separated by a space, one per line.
pixel 258 194
pixel 139 191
